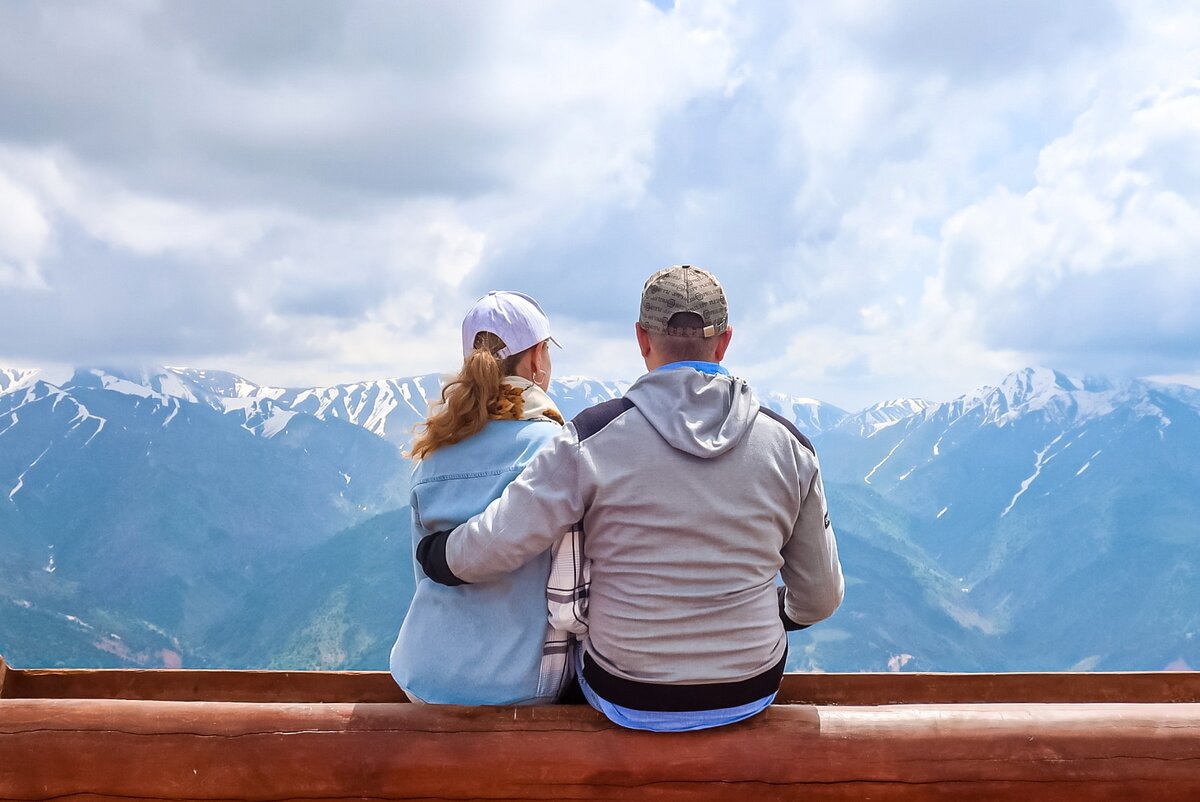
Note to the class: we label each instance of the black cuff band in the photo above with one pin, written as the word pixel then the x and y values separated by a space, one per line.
pixel 788 624
pixel 431 554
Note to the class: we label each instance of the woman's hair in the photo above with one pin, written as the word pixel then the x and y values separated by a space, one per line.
pixel 472 398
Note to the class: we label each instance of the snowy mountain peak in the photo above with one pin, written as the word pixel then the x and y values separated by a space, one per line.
pixel 811 415
pixel 218 383
pixel 1051 391
pixel 883 415
pixel 391 408
pixel 1024 384
pixel 1062 399
pixel 12 379
pixel 899 406
pixel 135 383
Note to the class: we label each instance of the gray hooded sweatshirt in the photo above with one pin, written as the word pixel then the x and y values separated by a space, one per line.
pixel 693 500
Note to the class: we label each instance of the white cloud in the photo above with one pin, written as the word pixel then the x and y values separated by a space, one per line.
pixel 321 191
pixel 1101 253
pixel 902 198
pixel 24 234
pixel 926 197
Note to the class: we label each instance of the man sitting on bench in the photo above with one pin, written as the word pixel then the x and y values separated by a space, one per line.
pixel 693 498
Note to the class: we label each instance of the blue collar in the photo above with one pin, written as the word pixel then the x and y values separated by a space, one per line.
pixel 711 368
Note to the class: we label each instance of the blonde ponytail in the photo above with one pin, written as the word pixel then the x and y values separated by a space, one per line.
pixel 476 395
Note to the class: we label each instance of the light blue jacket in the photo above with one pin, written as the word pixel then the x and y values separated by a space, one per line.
pixel 474 644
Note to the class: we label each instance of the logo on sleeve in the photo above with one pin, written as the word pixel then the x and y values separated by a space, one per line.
pixel 827 524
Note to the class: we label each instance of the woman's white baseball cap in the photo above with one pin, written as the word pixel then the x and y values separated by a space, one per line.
pixel 512 316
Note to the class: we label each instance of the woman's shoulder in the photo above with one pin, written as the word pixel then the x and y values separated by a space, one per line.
pixel 539 428
pixel 518 436
pixel 502 442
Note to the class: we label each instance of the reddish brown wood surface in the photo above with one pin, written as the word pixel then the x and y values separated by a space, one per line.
pixel 896 688
pixel 820 689
pixel 97 749
pixel 213 686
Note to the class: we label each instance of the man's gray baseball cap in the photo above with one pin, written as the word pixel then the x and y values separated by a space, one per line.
pixel 683 288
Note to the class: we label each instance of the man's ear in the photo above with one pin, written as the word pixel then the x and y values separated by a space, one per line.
pixel 643 338
pixel 723 343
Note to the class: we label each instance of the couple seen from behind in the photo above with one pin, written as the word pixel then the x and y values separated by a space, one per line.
pixel 633 555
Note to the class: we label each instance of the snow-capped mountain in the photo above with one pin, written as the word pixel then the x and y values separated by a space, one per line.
pixel 877 417
pixel 139 504
pixel 389 408
pixel 1049 497
pixel 12 379
pixel 158 515
pixel 897 441
pixel 810 416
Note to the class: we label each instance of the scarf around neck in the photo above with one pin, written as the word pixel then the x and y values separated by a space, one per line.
pixel 521 399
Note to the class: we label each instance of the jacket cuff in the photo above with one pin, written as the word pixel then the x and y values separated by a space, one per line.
pixel 788 624
pixel 431 554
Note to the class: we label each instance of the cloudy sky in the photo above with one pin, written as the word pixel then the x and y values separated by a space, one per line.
pixel 902 198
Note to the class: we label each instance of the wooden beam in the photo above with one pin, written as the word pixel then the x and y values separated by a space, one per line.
pixel 56 749
pixel 1062 687
pixel 818 689
pixel 208 686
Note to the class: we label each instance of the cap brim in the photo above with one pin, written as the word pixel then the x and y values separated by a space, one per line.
pixel 551 339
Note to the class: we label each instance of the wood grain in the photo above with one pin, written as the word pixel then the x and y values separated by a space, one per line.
pixel 268 735
pixel 102 749
pixel 214 686
pixel 818 689
pixel 1064 687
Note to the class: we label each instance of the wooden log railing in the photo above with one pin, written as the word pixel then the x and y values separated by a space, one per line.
pixel 185 685
pixel 835 737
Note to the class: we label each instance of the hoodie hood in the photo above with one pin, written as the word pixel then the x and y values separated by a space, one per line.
pixel 700 414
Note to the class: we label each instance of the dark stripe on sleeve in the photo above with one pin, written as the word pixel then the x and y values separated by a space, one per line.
pixel 791 427
pixel 431 554
pixel 593 419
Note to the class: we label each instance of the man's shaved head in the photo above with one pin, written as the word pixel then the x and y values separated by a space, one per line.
pixel 685 349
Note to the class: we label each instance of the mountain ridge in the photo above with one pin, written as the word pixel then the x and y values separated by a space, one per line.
pixel 143 513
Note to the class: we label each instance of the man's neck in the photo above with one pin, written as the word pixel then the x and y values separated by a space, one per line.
pixel 695 364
